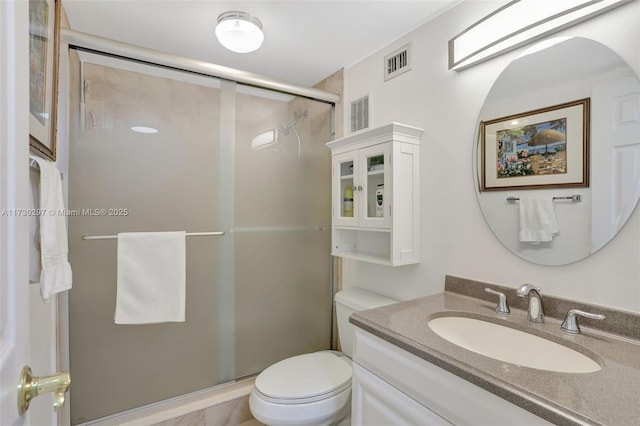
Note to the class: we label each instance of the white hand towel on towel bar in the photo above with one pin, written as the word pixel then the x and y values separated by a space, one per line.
pixel 151 277
pixel 537 220
pixel 55 275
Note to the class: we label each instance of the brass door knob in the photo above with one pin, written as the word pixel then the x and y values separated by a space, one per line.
pixel 31 386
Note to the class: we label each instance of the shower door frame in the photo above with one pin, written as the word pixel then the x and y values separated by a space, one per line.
pixel 91 43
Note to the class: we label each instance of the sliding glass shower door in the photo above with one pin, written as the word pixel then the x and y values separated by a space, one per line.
pixel 282 228
pixel 159 150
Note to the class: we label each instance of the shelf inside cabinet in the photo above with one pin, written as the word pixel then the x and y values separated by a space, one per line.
pixel 351 228
pixel 363 257
pixel 362 244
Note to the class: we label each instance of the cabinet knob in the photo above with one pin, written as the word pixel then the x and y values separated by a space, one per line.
pixel 359 187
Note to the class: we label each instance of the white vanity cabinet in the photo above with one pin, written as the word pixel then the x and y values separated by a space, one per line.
pixel 376 195
pixel 376 402
pixel 393 386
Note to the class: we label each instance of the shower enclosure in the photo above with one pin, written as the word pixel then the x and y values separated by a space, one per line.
pixel 155 149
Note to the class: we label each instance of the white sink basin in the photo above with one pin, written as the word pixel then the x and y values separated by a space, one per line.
pixel 511 345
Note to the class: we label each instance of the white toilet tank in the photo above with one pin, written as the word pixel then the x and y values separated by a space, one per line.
pixel 353 300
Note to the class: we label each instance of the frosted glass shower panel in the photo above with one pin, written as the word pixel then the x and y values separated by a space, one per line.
pixel 282 239
pixel 162 181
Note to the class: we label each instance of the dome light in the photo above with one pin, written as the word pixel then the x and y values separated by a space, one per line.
pixel 239 32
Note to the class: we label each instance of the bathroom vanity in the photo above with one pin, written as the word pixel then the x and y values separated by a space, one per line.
pixel 392 386
pixel 405 373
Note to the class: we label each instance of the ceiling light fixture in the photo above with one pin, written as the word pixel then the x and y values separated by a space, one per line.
pixel 239 32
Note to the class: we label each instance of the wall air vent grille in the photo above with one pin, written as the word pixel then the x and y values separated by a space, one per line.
pixel 360 114
pixel 397 62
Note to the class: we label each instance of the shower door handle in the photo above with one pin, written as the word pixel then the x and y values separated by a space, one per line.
pixel 31 386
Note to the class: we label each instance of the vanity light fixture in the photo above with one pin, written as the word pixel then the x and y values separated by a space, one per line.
pixel 239 32
pixel 517 23
pixel 545 44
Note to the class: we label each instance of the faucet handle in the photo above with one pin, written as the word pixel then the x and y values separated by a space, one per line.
pixel 503 307
pixel 570 323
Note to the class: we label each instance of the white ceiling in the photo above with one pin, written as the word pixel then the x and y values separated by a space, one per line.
pixel 305 40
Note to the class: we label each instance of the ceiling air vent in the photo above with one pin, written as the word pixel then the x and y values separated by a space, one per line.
pixel 397 62
pixel 360 114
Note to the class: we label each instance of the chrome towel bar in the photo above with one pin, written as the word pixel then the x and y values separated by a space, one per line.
pixel 115 237
pixel 574 198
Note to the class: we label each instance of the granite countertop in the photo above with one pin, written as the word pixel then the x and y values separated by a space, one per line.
pixel 610 396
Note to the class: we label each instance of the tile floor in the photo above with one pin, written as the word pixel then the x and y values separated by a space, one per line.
pixel 232 413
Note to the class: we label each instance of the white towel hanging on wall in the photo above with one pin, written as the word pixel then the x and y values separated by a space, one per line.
pixel 537 220
pixel 56 275
pixel 35 262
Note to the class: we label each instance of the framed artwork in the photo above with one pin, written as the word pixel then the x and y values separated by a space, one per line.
pixel 544 148
pixel 44 42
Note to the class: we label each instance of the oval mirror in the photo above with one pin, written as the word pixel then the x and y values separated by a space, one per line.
pixel 561 123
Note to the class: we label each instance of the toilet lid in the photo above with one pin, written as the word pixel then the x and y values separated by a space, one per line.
pixel 304 376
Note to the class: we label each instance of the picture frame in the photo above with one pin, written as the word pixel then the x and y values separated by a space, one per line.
pixel 44 49
pixel 542 148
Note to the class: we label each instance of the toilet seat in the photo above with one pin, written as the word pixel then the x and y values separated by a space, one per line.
pixel 304 378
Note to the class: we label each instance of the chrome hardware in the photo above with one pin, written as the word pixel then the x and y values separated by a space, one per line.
pixel 503 307
pixel 577 198
pixel 188 234
pixel 31 386
pixel 535 312
pixel 570 323
pixel 359 187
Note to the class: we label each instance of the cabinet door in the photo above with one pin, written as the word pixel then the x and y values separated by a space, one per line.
pixel 374 186
pixel 375 402
pixel 344 189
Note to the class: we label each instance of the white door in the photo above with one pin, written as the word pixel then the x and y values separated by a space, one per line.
pixel 20 324
pixel 615 118
pixel 14 287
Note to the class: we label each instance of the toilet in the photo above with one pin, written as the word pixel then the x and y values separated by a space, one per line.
pixel 314 389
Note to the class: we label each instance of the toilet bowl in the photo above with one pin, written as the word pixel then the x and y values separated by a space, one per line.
pixel 310 389
pixel 313 389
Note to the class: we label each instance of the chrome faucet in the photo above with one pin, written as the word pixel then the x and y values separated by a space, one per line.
pixel 535 313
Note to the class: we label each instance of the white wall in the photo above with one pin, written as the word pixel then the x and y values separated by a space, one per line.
pixel 455 238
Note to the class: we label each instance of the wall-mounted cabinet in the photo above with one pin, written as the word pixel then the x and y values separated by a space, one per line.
pixel 376 195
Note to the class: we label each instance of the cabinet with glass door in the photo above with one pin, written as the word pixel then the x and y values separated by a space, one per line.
pixel 375 195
